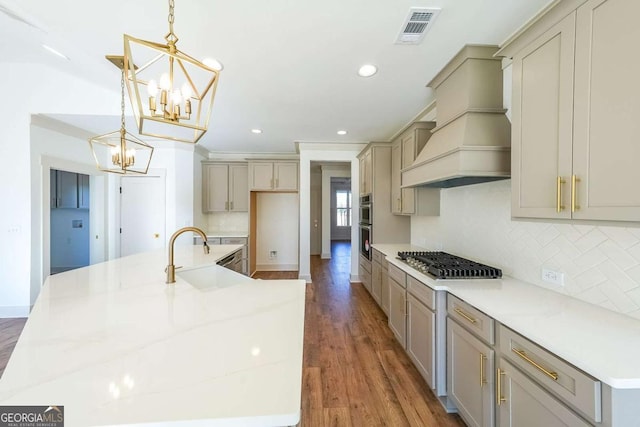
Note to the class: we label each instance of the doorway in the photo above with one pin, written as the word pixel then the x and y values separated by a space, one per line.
pixel 69 221
pixel 142 214
pixel 341 214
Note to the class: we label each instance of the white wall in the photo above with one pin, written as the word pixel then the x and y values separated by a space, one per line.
pixel 32 88
pixel 330 153
pixel 601 264
pixel 277 230
pixel 38 89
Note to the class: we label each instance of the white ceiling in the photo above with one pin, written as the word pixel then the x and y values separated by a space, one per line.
pixel 290 65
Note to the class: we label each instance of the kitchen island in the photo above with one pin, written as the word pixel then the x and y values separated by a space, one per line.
pixel 116 345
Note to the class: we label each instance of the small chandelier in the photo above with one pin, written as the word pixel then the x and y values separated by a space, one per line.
pixel 171 92
pixel 119 151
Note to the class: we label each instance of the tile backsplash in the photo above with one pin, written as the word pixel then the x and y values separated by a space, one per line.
pixel 601 264
pixel 228 221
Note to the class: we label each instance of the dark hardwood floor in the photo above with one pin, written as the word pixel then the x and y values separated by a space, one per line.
pixel 10 330
pixel 354 371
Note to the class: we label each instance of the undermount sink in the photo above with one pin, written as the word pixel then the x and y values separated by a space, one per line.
pixel 212 277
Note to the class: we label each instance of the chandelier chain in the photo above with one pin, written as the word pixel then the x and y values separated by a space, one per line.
pixel 171 18
pixel 122 100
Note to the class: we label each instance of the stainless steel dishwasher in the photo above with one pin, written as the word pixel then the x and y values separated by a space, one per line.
pixel 233 261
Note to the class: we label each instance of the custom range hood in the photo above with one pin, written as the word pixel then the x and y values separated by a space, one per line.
pixel 472 140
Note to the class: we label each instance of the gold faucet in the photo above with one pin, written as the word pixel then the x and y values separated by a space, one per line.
pixel 171 269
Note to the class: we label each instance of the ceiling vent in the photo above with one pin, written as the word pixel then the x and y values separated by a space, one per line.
pixel 416 25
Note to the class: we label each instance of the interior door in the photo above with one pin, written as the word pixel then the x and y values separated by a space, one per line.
pixel 142 214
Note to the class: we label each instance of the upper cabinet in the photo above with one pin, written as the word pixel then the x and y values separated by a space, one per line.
pixel 69 190
pixel 574 113
pixel 404 150
pixel 225 187
pixel 366 173
pixel 273 176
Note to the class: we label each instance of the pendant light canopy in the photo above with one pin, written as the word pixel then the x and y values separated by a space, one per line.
pixel 119 151
pixel 171 92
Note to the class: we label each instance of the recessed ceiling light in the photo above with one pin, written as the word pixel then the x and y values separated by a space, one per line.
pixel 55 52
pixel 256 130
pixel 342 132
pixel 367 70
pixel 213 63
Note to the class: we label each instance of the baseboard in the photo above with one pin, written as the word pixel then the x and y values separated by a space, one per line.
pixel 10 312
pixel 305 277
pixel 326 255
pixel 277 267
pixel 354 278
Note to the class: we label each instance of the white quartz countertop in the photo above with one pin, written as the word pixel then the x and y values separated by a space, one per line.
pixel 117 346
pixel 601 342
pixel 228 233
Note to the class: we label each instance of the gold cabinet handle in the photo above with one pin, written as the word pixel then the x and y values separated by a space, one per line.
pixel 574 190
pixel 499 398
pixel 230 206
pixel 226 206
pixel 523 355
pixel 271 183
pixel 399 205
pixel 483 379
pixel 277 182
pixel 559 206
pixel 465 315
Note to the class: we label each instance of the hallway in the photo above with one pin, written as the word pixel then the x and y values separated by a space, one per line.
pixel 354 371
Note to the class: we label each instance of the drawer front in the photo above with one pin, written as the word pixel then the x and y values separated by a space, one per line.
pixel 197 240
pixel 398 275
pixel 233 240
pixel 421 292
pixel 365 264
pixel 377 256
pixel 471 318
pixel 576 388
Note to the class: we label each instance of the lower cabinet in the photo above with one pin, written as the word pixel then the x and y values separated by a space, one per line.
pixel 421 338
pixel 470 367
pixel 522 403
pixel 384 288
pixel 398 311
pixel 364 271
pixel 376 281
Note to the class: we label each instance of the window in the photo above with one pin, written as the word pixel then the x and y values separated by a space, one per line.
pixel 343 208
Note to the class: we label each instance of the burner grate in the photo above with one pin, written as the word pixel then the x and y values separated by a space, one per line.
pixel 443 265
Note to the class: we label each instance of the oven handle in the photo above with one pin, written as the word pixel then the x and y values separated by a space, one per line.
pixel 365 225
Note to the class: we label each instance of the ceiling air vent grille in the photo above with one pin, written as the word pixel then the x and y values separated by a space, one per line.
pixel 416 25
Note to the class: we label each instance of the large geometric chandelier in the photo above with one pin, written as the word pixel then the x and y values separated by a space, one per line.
pixel 119 151
pixel 171 92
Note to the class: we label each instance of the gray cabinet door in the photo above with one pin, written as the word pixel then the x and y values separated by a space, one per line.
pixel 286 176
pixel 398 311
pixel 525 404
pixel 238 188
pixel 216 188
pixel 376 281
pixel 261 176
pixel 541 130
pixel 384 291
pixel 83 191
pixel 421 338
pixel 606 110
pixel 396 166
pixel 67 191
pixel 470 376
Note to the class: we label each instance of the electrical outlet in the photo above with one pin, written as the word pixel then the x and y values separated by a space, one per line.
pixel 273 254
pixel 553 277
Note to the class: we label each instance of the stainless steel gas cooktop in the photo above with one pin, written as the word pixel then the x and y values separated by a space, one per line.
pixel 442 265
